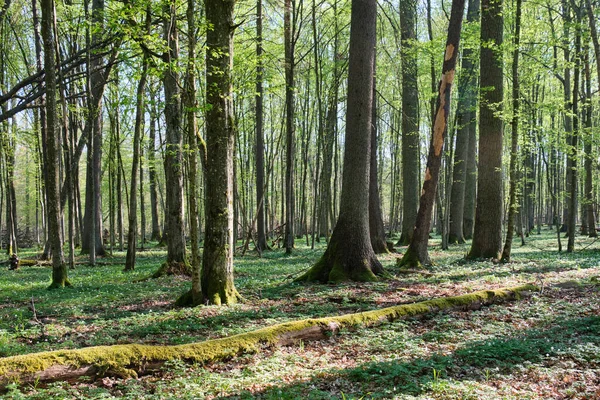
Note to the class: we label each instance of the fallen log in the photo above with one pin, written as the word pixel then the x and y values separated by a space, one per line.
pixel 129 360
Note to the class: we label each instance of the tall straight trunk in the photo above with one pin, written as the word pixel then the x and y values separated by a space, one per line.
pixel 568 112
pixel 92 236
pixel 589 157
pixel 417 254
pixel 217 263
pixel 487 239
pixel 349 254
pixel 410 120
pixel 573 150
pixel 191 105
pixel 52 148
pixel 261 239
pixel 290 135
pixel 174 142
pixel 514 140
pixel 135 164
pixel 467 86
pixel 155 235
pixel 376 228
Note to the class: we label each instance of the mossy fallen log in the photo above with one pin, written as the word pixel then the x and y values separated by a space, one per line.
pixel 129 360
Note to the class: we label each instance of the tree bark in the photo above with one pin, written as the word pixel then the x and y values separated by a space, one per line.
pixel 467 97
pixel 290 134
pixel 93 198
pixel 217 266
pixel 376 228
pixel 349 254
pixel 135 162
pixel 52 147
pixel 573 152
pixel 261 238
pixel 514 140
pixel 155 235
pixel 410 120
pixel 174 142
pixel 417 254
pixel 487 239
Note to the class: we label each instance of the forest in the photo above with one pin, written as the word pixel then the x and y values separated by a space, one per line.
pixel 297 199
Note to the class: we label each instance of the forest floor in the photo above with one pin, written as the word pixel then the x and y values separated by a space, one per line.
pixel 546 346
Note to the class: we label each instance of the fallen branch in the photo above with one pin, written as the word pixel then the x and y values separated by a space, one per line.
pixel 129 360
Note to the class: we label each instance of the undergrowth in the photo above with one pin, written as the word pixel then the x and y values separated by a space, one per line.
pixel 547 346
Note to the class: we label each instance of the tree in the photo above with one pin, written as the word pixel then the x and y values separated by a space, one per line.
pixel 349 254
pixel 417 254
pixel 176 260
pixel 92 235
pixel 487 238
pixel 290 134
pixel 376 228
pixel 410 120
pixel 261 239
pixel 464 149
pixel 135 163
pixel 217 262
pixel 59 268
pixel 514 139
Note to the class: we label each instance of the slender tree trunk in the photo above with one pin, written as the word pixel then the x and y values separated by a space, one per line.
pixel 349 254
pixel 467 86
pixel 155 235
pixel 573 150
pixel 417 254
pixel 93 210
pixel 487 239
pixel 52 148
pixel 376 229
pixel 410 120
pixel 173 155
pixel 289 33
pixel 514 143
pixel 135 162
pixel 589 214
pixel 261 239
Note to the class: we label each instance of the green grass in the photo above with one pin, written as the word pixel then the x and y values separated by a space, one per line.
pixel 546 346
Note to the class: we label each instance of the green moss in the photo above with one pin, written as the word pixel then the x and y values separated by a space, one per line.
pixel 410 260
pixel 173 268
pixel 126 359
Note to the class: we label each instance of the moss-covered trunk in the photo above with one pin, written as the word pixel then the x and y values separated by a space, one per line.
pixel 217 264
pixel 132 359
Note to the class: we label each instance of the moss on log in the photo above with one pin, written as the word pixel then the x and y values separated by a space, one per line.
pixel 129 360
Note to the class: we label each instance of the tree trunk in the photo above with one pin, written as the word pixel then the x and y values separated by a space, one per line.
pixel 174 141
pixel 410 120
pixel 290 135
pixel 261 239
pixel 51 145
pixel 376 228
pixel 217 264
pixel 487 239
pixel 514 141
pixel 195 296
pixel 155 235
pixel 467 86
pixel 349 254
pixel 93 198
pixel 572 153
pixel 135 162
pixel 417 254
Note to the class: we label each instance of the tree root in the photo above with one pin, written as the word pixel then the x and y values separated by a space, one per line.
pixel 129 360
pixel 173 268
